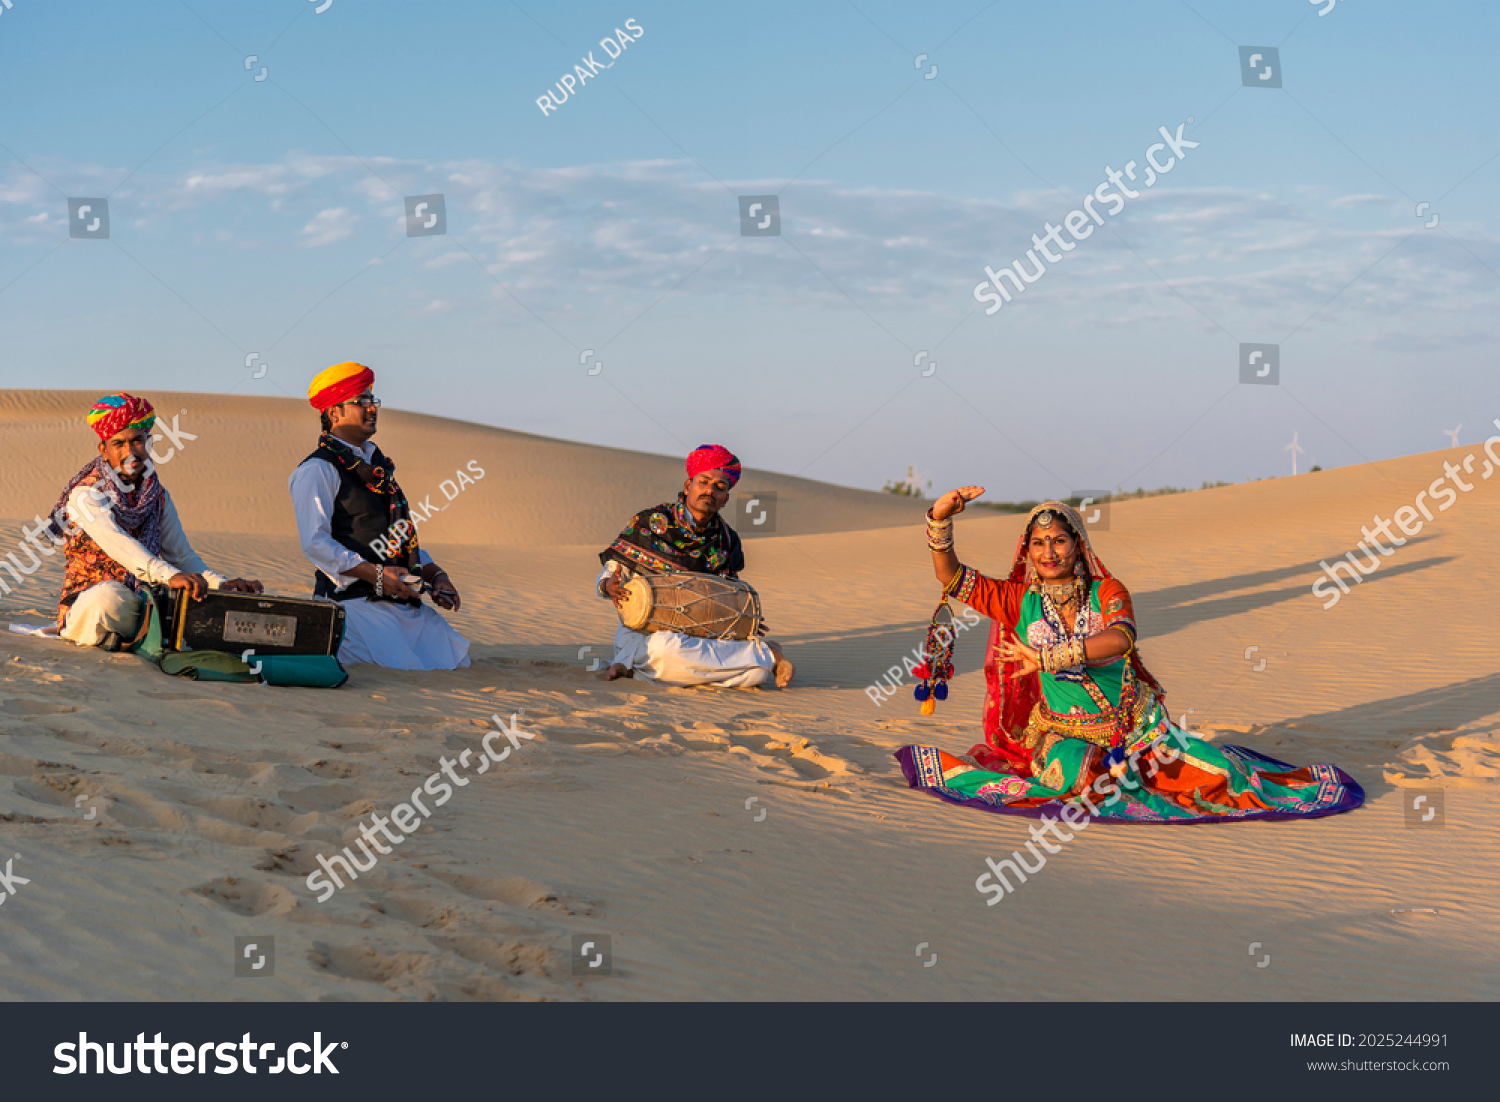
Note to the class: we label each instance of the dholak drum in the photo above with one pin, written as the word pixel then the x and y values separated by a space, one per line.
pixel 704 605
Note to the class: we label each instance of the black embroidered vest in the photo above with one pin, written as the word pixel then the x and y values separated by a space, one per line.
pixel 360 518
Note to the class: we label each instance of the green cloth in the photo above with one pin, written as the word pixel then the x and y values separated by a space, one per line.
pixel 1064 696
pixel 316 671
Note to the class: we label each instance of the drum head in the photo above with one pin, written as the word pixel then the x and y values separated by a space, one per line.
pixel 636 611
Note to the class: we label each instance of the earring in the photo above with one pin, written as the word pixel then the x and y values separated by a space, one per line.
pixel 1079 570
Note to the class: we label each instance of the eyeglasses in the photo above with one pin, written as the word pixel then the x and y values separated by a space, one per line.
pixel 366 401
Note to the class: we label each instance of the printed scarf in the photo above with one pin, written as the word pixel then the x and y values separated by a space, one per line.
pixel 665 539
pixel 380 477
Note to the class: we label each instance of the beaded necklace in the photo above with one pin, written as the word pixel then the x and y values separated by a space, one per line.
pixel 1053 617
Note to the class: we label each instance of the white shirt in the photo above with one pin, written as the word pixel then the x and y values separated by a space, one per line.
pixel 315 488
pixel 177 555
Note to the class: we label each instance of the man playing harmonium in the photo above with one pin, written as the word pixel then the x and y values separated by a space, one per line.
pixel 687 537
pixel 118 528
pixel 357 529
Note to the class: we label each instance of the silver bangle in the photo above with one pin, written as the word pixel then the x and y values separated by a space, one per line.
pixel 379 580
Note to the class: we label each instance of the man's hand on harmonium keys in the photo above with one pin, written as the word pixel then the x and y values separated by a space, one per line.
pixel 197 585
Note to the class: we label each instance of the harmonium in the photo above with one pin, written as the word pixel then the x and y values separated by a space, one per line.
pixel 267 624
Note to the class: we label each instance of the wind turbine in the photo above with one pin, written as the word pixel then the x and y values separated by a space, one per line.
pixel 1294 448
pixel 1453 434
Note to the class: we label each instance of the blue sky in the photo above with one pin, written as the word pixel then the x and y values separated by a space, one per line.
pixel 267 217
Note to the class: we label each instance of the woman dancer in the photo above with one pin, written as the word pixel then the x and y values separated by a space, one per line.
pixel 1072 715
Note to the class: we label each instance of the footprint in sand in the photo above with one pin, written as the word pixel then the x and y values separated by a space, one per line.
pixel 320 797
pixel 517 892
pixel 336 770
pixel 255 813
pixel 251 898
pixel 417 912
pixel 18 706
pixel 360 962
pixel 384 723
pixel 516 958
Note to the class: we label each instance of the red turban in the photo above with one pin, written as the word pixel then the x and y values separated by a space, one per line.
pixel 714 457
pixel 338 384
pixel 116 412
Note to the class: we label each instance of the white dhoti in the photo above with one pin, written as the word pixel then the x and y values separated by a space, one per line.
pixel 400 637
pixel 101 609
pixel 676 659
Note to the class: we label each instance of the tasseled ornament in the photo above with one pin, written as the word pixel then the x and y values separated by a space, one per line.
pixel 934 672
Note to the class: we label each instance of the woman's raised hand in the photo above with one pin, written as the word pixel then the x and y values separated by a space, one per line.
pixel 953 501
pixel 1013 650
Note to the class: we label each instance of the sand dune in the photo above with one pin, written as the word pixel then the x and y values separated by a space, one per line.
pixel 536 491
pixel 743 844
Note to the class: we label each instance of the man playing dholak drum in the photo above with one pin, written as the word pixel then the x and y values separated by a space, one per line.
pixel 357 529
pixel 123 531
pixel 688 535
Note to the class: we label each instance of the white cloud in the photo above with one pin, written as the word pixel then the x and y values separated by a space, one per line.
pixel 329 226
pixel 622 234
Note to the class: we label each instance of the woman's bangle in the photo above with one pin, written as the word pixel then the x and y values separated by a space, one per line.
pixel 939 533
pixel 1067 655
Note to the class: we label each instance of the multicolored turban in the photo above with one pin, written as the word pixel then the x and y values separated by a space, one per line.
pixel 117 412
pixel 338 384
pixel 714 457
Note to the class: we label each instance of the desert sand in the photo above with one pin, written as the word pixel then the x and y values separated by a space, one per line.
pixel 739 844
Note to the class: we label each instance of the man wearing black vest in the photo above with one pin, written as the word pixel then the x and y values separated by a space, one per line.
pixel 357 530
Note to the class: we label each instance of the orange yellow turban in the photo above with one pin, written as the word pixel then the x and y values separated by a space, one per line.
pixel 338 384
